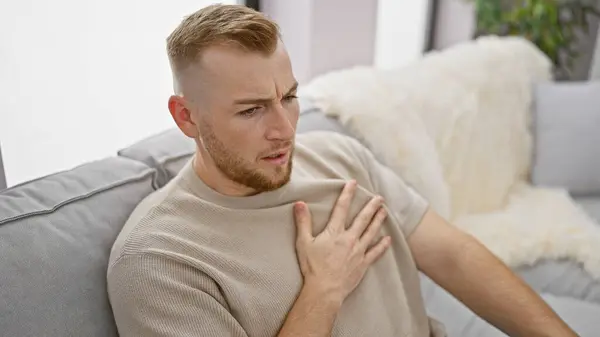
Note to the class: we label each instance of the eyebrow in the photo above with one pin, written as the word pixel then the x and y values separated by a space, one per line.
pixel 264 100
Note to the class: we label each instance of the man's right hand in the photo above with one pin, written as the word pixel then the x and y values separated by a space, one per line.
pixel 334 262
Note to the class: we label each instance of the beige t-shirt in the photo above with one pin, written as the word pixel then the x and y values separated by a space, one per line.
pixel 193 262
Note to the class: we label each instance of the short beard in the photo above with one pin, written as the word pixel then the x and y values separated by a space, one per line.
pixel 234 167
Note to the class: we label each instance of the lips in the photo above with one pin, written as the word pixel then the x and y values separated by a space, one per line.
pixel 277 158
pixel 277 154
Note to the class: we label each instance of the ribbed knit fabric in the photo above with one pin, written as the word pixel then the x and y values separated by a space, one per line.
pixel 191 262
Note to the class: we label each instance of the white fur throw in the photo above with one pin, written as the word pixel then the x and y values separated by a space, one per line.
pixel 456 126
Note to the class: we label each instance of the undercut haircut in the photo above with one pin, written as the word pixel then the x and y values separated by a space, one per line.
pixel 220 25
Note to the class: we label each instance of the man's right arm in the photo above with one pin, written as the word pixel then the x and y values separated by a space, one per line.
pixel 155 296
pixel 313 314
pixel 152 296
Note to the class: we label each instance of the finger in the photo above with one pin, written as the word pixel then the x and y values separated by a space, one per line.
pixel 377 251
pixel 373 229
pixel 303 221
pixel 365 216
pixel 339 215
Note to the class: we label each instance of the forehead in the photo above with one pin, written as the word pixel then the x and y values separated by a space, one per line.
pixel 229 71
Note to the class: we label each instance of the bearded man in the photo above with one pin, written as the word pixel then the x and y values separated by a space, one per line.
pixel 265 233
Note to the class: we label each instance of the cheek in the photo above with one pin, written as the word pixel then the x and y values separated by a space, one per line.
pixel 246 141
pixel 294 113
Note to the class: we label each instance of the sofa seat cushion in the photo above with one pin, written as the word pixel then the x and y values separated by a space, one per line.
pixel 565 277
pixel 459 320
pixel 56 234
pixel 561 278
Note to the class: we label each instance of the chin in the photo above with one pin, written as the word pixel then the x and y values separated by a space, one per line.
pixel 282 182
pixel 281 179
pixel 273 178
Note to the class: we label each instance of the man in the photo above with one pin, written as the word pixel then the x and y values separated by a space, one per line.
pixel 265 233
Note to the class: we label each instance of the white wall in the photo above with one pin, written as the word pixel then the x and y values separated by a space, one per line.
pixel 293 18
pixel 80 79
pixel 401 32
pixel 343 34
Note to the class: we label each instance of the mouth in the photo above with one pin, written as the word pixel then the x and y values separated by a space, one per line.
pixel 277 158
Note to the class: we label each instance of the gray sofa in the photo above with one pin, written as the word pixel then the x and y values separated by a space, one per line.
pixel 56 233
pixel 2 176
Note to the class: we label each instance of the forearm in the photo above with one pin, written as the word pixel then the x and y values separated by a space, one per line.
pixel 489 288
pixel 312 315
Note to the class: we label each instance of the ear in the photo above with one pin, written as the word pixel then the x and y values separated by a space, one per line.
pixel 182 116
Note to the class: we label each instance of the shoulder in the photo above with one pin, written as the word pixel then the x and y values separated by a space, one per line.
pixel 328 154
pixel 327 136
pixel 331 144
pixel 153 220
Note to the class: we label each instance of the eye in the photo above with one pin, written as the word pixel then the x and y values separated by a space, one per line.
pixel 249 112
pixel 289 98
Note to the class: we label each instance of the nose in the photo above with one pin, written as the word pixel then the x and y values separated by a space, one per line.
pixel 281 124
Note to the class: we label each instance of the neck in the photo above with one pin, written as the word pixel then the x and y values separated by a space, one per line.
pixel 214 178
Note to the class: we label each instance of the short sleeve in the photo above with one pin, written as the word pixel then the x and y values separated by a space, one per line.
pixel 153 296
pixel 406 204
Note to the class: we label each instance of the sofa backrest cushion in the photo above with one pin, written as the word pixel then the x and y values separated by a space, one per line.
pixel 567 137
pixel 56 234
pixel 166 152
pixel 316 120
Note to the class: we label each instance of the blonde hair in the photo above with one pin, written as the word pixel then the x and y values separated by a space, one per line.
pixel 219 24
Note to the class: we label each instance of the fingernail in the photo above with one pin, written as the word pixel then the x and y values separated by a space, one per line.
pixel 298 207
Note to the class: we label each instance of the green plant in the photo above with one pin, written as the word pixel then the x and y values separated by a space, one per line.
pixel 552 25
